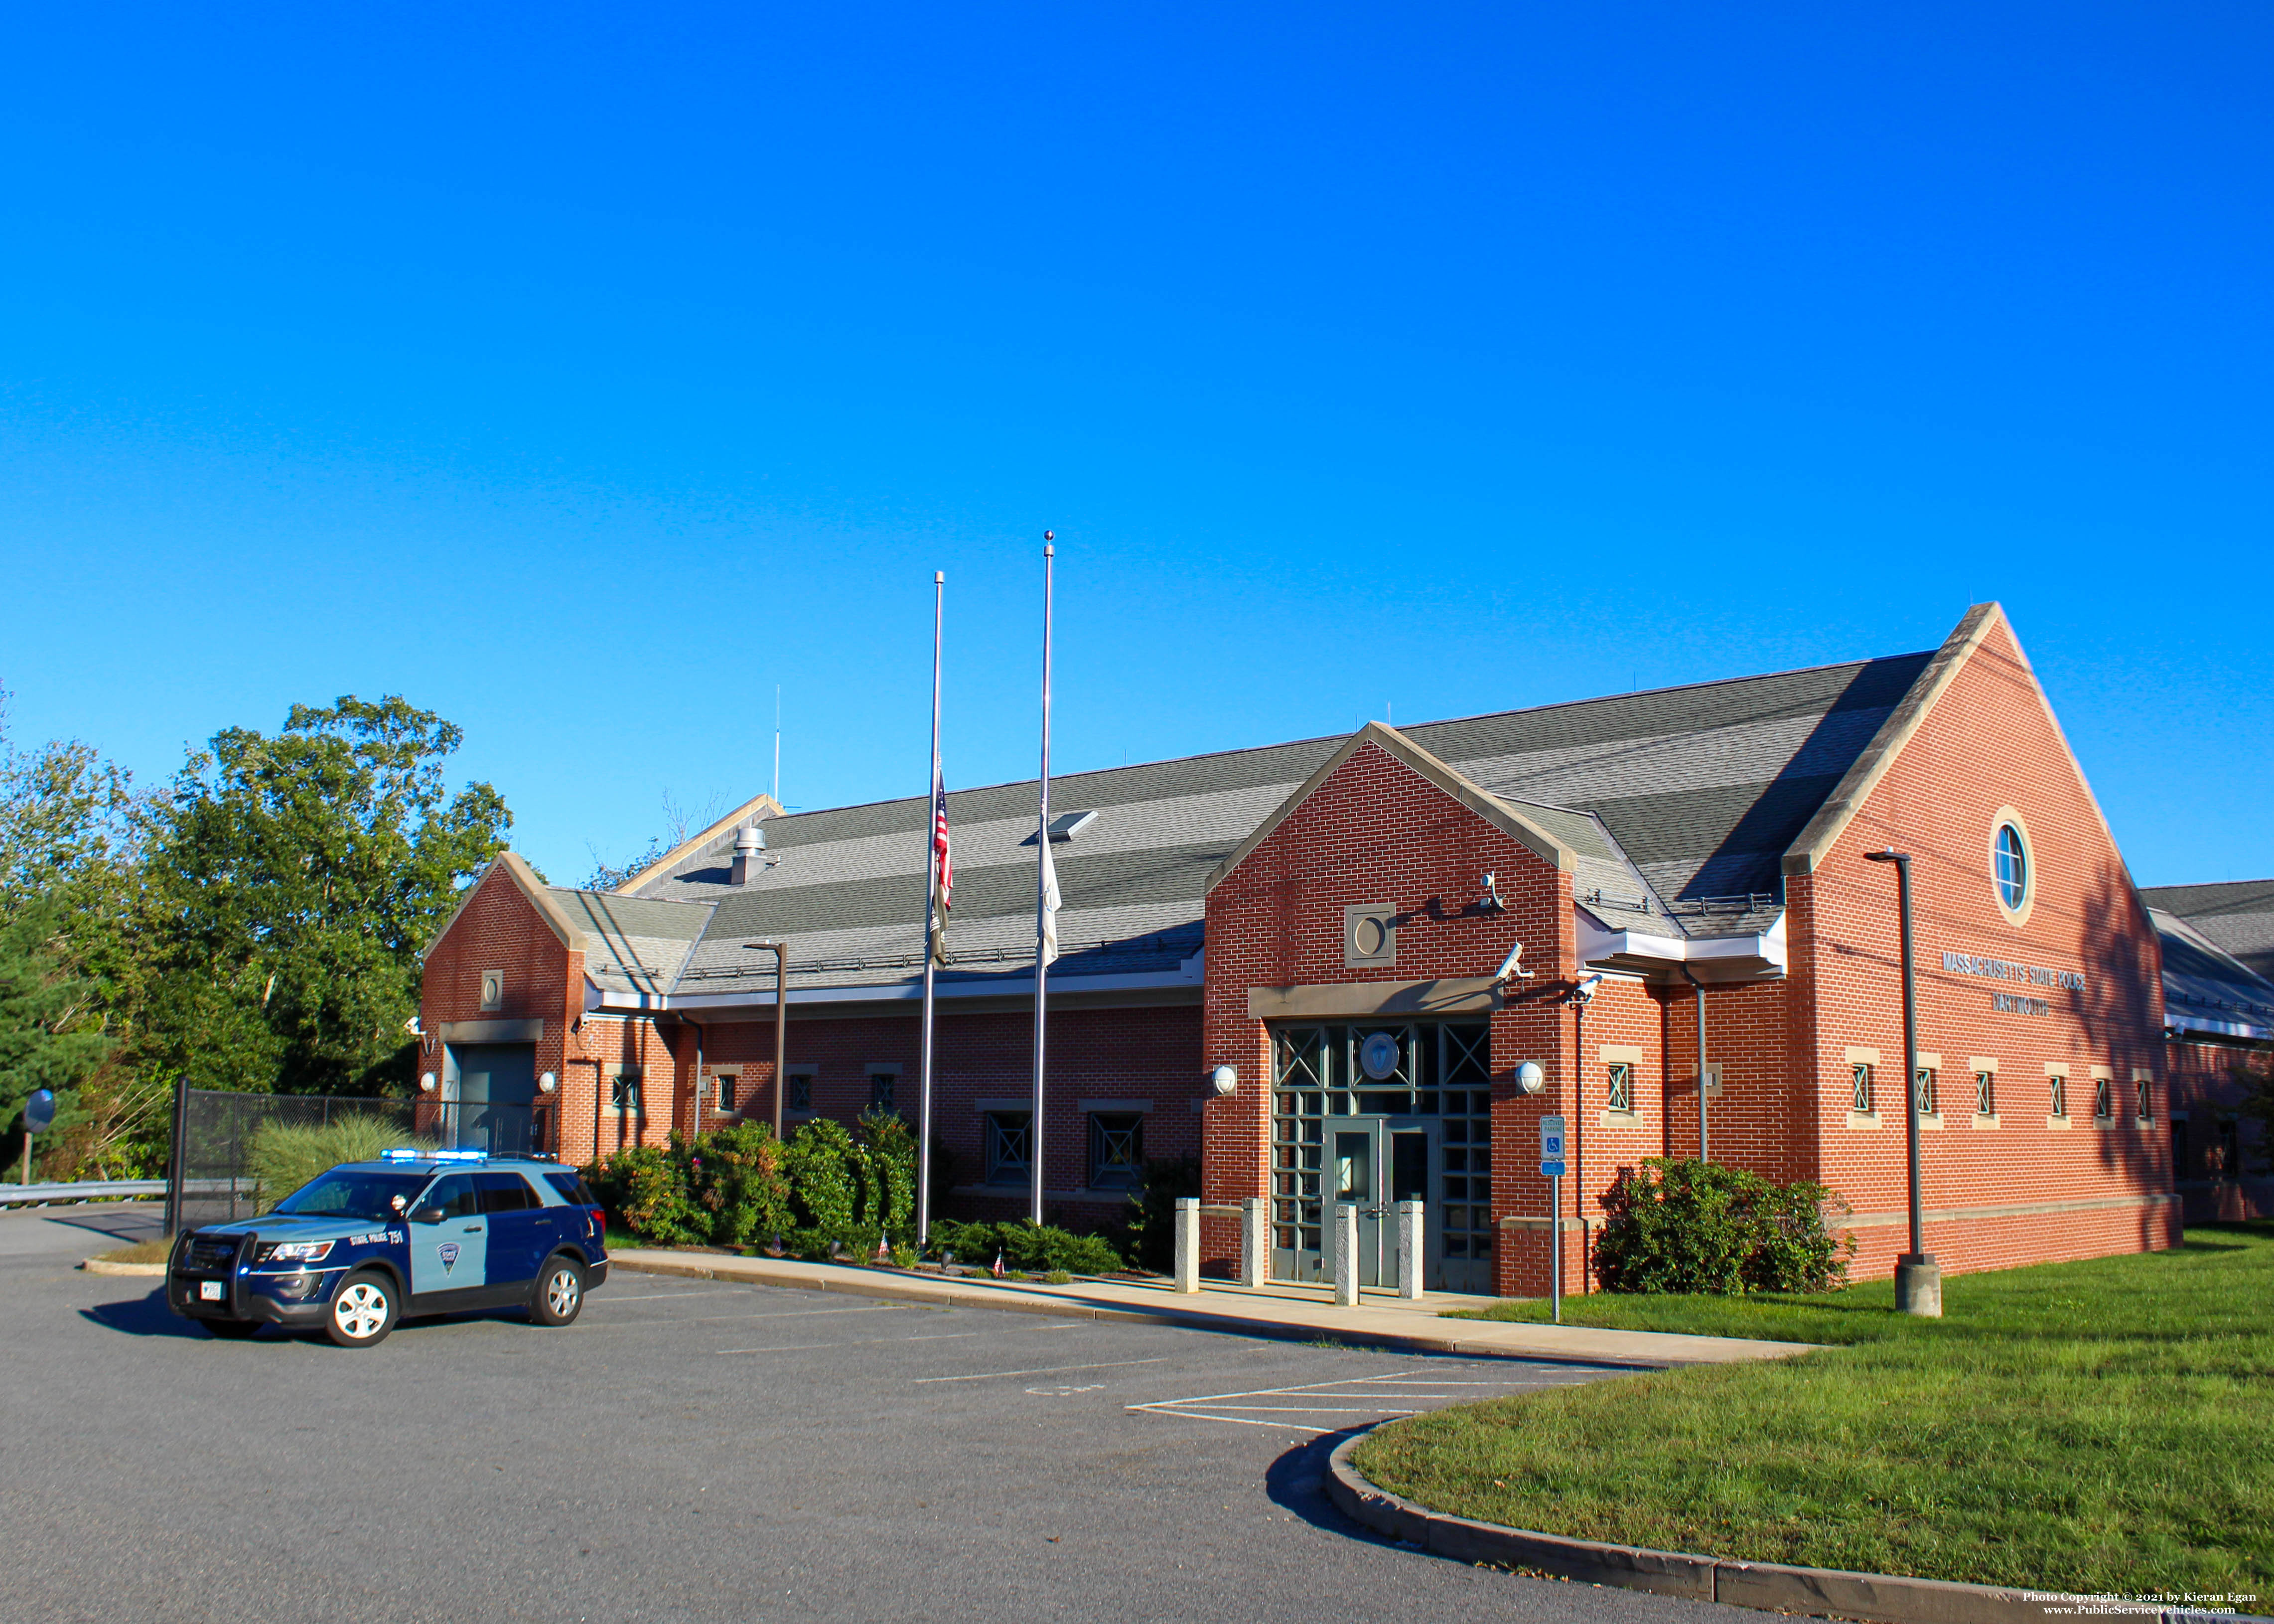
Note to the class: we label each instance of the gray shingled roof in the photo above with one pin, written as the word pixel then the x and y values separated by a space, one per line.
pixel 2206 988
pixel 2237 915
pixel 1678 805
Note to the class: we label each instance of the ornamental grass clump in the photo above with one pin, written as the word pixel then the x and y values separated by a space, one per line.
pixel 283 1156
pixel 1691 1226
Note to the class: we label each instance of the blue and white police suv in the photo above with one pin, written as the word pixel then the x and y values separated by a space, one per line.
pixel 415 1232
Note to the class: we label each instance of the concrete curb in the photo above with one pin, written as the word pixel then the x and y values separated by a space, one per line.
pixel 1816 1593
pixel 1017 1300
pixel 96 1265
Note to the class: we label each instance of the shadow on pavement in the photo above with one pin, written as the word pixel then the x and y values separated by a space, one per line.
pixel 1296 1482
pixel 143 1316
pixel 119 1223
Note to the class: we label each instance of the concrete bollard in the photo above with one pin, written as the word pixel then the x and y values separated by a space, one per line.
pixel 1188 1243
pixel 1411 1244
pixel 1255 1242
pixel 1345 1254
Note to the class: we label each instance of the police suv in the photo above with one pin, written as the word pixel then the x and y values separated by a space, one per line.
pixel 415 1232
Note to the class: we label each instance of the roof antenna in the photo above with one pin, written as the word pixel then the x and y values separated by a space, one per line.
pixel 776 744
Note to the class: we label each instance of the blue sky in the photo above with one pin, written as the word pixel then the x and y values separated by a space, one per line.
pixel 582 375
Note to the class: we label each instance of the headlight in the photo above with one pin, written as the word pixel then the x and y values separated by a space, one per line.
pixel 295 1251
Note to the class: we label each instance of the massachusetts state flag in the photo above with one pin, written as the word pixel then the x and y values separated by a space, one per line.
pixel 943 870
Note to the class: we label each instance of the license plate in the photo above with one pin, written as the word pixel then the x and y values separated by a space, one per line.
pixel 209 1290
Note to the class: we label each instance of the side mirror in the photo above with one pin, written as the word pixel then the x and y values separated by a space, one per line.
pixel 427 1214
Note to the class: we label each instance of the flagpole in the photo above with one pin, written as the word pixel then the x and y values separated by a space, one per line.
pixel 933 790
pixel 1043 925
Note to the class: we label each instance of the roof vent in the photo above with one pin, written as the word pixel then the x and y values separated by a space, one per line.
pixel 1066 826
pixel 750 840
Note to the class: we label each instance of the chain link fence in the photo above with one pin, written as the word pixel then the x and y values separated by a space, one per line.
pixel 213 1178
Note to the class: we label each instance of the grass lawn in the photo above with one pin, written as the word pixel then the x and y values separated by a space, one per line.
pixel 2105 1426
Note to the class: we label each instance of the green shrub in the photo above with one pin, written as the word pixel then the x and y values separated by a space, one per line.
pixel 1025 1247
pixel 1153 1223
pixel 1691 1226
pixel 283 1156
pixel 735 1174
pixel 825 1185
pixel 738 1185
pixel 888 1173
pixel 646 1187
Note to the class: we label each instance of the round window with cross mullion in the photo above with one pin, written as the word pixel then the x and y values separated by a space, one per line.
pixel 2013 870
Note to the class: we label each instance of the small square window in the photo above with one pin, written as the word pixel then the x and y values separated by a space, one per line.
pixel 800 1091
pixel 1116 1150
pixel 1860 1099
pixel 1985 1094
pixel 2104 1106
pixel 2056 1086
pixel 723 1100
pixel 1007 1147
pixel 624 1091
pixel 2140 1089
pixel 1619 1090
pixel 1923 1090
pixel 880 1090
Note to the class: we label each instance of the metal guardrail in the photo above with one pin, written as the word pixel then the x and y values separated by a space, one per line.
pixel 103 1190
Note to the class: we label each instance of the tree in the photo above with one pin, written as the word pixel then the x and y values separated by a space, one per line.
pixel 296 879
pixel 72 955
pixel 43 1041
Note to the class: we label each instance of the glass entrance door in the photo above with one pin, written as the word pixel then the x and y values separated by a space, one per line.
pixel 1355 1164
pixel 1375 1162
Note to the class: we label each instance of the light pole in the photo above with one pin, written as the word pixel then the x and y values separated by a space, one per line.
pixel 1918 1277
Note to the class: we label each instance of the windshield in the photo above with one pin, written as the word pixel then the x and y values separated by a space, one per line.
pixel 349 1193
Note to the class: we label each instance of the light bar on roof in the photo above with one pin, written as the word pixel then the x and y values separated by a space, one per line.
pixel 406 1155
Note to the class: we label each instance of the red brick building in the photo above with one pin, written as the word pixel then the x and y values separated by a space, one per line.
pixel 1367 938
pixel 2218 1014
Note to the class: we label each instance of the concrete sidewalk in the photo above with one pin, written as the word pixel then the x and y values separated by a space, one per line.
pixel 1281 1311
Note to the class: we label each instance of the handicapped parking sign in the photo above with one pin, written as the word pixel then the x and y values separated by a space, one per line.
pixel 1551 1146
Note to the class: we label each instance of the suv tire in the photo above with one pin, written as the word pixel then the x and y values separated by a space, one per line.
pixel 362 1311
pixel 559 1296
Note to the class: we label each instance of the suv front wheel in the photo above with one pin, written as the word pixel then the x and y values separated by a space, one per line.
pixel 363 1310
pixel 559 1295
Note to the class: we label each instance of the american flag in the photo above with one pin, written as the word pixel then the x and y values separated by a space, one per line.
pixel 942 868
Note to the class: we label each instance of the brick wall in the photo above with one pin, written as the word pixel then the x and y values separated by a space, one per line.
pixel 1378 833
pixel 2220 1176
pixel 1988 745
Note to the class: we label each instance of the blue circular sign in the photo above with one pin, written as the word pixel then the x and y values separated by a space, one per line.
pixel 1378 1056
pixel 40 1109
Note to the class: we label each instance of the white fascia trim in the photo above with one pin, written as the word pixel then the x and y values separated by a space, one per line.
pixel 600 1000
pixel 1596 943
pixel 2218 1028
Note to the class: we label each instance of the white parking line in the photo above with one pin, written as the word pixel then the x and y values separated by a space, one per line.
pixel 1392 1393
pixel 858 1342
pixel 795 1314
pixel 1053 1370
pixel 652 1296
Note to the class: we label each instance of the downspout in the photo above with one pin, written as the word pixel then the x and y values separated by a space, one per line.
pixel 780 951
pixel 694 1090
pixel 1700 986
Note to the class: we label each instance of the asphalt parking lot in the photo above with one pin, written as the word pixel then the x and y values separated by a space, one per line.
pixel 691 1450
